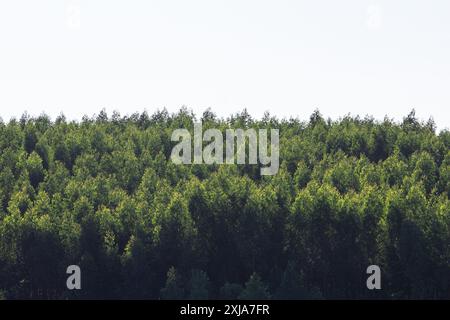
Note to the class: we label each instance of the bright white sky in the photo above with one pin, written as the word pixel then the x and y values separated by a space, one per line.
pixel 289 57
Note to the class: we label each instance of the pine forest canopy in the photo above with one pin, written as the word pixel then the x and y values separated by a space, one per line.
pixel 103 194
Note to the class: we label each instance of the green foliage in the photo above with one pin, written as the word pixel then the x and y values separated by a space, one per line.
pixel 292 284
pixel 254 289
pixel 173 289
pixel 103 194
pixel 230 291
pixel 199 285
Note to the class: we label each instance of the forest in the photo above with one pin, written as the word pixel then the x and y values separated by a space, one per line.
pixel 102 193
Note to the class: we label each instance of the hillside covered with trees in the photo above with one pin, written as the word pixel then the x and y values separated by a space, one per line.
pixel 103 194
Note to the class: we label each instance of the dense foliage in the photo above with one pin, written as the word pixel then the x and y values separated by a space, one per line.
pixel 103 194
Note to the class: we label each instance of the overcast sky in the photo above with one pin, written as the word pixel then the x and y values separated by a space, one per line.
pixel 286 56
